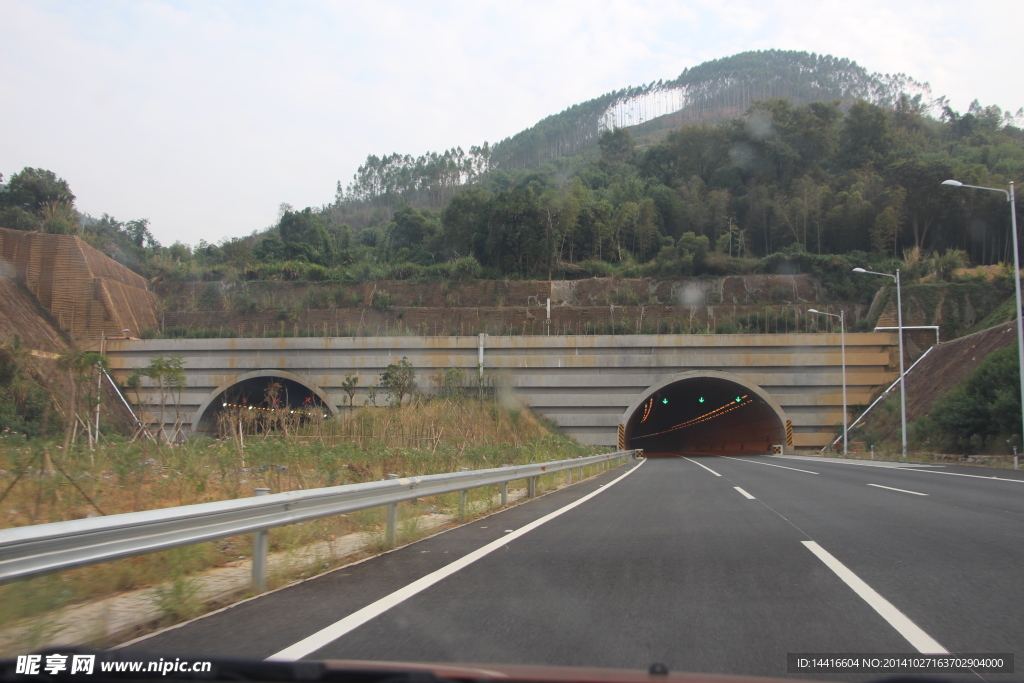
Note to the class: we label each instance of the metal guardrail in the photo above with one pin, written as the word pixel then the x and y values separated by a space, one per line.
pixel 46 548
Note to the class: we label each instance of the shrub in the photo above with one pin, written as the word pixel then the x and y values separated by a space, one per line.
pixel 382 300
pixel 404 271
pixel 317 273
pixel 595 268
pixel 466 268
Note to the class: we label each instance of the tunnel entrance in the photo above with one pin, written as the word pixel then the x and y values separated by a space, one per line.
pixel 705 413
pixel 258 404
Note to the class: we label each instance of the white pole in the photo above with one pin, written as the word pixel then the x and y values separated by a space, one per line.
pixel 1016 284
pixel 480 356
pixel 1011 197
pixel 903 380
pixel 846 413
pixel 99 384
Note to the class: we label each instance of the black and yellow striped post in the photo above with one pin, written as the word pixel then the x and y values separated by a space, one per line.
pixel 789 432
pixel 622 437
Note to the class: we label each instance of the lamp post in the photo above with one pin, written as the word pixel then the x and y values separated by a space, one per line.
pixel 842 338
pixel 1016 275
pixel 899 319
pixel 99 379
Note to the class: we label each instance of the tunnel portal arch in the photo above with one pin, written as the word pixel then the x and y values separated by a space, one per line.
pixel 704 412
pixel 204 422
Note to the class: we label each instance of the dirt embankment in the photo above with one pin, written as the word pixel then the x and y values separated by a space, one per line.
pixel 950 364
pixel 595 305
pixel 22 315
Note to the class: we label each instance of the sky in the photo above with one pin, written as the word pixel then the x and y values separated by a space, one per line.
pixel 204 117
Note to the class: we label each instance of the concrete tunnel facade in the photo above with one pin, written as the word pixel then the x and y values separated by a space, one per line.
pixel 589 386
pixel 704 413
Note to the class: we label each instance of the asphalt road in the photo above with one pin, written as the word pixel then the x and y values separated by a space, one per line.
pixel 716 565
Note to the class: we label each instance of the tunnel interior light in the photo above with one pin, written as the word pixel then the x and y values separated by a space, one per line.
pixel 268 410
pixel 710 415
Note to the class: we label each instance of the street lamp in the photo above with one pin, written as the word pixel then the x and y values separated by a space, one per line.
pixel 842 338
pixel 899 318
pixel 1016 275
pixel 99 379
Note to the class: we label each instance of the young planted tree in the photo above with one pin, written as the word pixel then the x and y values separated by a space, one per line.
pixel 167 375
pixel 81 368
pixel 399 379
pixel 349 385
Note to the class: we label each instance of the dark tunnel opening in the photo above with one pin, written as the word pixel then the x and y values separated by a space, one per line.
pixel 705 416
pixel 260 404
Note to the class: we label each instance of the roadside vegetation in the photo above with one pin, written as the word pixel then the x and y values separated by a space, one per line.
pixel 423 436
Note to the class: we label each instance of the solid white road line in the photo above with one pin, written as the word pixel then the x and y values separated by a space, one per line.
pixel 957 474
pixel 781 467
pixel 353 621
pixel 859 463
pixel 924 643
pixel 704 466
pixel 903 468
pixel 749 497
pixel 879 486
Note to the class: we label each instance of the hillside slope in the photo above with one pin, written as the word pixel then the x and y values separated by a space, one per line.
pixel 22 315
pixel 944 368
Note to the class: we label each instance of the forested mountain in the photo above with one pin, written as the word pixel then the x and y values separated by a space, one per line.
pixel 717 89
pixel 714 90
pixel 763 151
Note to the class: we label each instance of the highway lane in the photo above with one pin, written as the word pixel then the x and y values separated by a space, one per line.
pixel 950 559
pixel 670 564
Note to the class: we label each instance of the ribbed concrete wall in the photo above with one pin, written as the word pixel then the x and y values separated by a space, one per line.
pixel 583 383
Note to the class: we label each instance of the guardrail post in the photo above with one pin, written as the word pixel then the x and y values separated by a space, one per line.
pixel 391 530
pixel 260 545
pixel 504 493
pixel 568 476
pixel 533 488
pixel 462 499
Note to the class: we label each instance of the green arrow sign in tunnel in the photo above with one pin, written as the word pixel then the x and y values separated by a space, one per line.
pixel 704 414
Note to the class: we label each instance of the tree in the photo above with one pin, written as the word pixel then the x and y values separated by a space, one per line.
pixel 80 367
pixel 167 374
pixel 305 237
pixel 34 188
pixel 399 379
pixel 697 150
pixel 867 135
pixel 349 385
pixel 270 248
pixel 883 233
pixel 617 146
pixel 927 205
pixel 409 229
pixel 36 198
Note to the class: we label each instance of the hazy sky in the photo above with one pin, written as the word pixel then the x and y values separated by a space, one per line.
pixel 205 116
